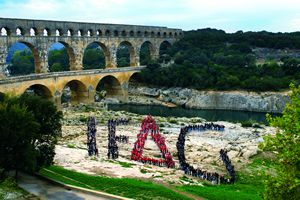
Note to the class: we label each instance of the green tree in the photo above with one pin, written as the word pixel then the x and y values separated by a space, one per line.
pixel 18 130
pixel 22 63
pixel 56 67
pixel 59 56
pixel 123 56
pixel 49 119
pixel 285 184
pixel 93 58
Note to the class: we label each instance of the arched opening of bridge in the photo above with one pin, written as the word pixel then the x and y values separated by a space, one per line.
pixel 164 55
pixel 74 92
pixel 109 88
pixel 60 57
pixel 22 59
pixel 39 90
pixel 135 80
pixel 5 31
pixel 146 52
pixel 95 56
pixel 125 55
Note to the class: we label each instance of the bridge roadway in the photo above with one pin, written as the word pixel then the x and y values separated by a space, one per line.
pixel 82 83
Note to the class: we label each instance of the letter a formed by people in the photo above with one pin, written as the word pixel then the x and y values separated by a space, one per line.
pixel 149 126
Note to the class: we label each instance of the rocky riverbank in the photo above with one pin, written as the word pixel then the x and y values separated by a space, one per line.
pixel 273 102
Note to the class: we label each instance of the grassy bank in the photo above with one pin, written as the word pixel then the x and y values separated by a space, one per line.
pixel 132 188
pixel 249 184
pixel 248 187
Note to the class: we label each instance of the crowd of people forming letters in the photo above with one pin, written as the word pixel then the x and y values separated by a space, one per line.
pixel 91 137
pixel 113 151
pixel 149 126
pixel 188 169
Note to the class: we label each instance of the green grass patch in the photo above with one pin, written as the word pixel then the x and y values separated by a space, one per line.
pixel 127 187
pixel 143 171
pixel 125 164
pixel 71 145
pixel 249 184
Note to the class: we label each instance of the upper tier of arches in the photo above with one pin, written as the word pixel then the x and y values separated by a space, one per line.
pixel 44 28
pixel 34 32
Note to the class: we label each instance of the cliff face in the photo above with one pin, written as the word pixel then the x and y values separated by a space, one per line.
pixel 228 100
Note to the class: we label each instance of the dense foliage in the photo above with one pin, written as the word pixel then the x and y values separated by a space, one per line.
pixel 93 57
pixel 285 184
pixel 213 59
pixel 58 60
pixel 22 63
pixel 28 132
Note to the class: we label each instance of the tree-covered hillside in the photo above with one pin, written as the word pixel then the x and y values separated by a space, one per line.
pixel 213 59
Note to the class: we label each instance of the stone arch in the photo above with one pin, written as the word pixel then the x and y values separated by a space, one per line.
pixel 107 32
pixel 35 53
pixel 80 33
pixel 132 53
pixel 134 80
pixel 99 33
pixel 116 33
pixel 90 33
pixel 46 32
pixel 20 31
pixel 5 31
pixel 165 34
pixel 139 33
pixel 147 52
pixel 163 49
pixel 170 34
pixel 124 33
pixel 131 33
pixel 33 32
pixel 146 33
pixel 58 32
pixel 70 32
pixel 104 49
pixel 71 54
pixel 39 90
pixel 152 34
pixel 158 34
pixel 74 92
pixel 112 87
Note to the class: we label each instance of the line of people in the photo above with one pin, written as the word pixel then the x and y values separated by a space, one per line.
pixel 229 167
pixel 118 122
pixel 91 137
pixel 113 151
pixel 206 126
pixel 149 126
pixel 122 138
pixel 188 169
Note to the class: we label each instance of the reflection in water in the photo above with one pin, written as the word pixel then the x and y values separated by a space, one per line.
pixel 210 115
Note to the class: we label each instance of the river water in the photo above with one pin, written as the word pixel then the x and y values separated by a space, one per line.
pixel 210 115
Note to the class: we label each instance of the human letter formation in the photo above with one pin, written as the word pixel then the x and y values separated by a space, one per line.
pixel 91 137
pixel 149 126
pixel 112 146
pixel 213 177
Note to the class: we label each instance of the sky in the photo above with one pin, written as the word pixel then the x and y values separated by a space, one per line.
pixel 228 15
